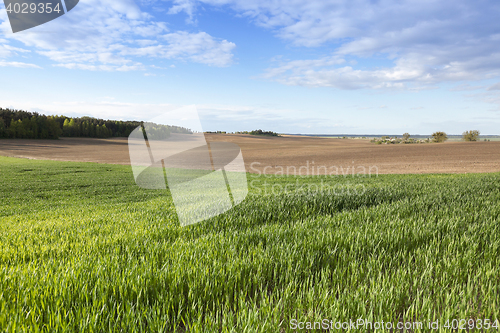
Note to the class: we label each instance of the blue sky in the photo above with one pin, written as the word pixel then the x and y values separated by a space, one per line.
pixel 301 66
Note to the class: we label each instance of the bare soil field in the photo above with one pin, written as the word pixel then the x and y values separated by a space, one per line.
pixel 292 154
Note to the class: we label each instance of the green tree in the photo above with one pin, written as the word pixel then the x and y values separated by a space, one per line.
pixel 42 127
pixel 439 137
pixel 54 131
pixel 72 127
pixel 105 131
pixel 66 129
pixel 261 132
pixel 3 132
pixel 406 136
pixel 85 129
pixel 470 135
pixel 34 127
pixel 27 132
pixel 14 130
pixel 20 130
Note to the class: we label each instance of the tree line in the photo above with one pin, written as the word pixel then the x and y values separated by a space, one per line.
pixel 472 135
pixel 18 124
pixel 259 132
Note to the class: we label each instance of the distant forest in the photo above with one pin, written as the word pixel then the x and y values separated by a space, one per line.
pixel 259 132
pixel 18 124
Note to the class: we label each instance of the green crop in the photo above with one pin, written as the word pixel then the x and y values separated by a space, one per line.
pixel 83 249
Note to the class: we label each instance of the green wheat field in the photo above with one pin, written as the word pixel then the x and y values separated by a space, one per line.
pixel 83 249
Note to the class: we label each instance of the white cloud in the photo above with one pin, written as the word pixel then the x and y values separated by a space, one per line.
pixel 245 118
pixel 491 96
pixel 466 87
pixel 187 6
pixel 200 47
pixel 105 109
pixel 123 68
pixel 413 70
pixel 7 50
pixel 496 86
pixel 113 35
pixel 213 117
pixel 428 41
pixel 17 64
pixel 313 74
pixel 197 47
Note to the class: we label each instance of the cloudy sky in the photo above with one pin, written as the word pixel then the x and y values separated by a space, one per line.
pixel 292 66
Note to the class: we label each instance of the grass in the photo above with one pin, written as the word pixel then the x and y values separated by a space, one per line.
pixel 83 249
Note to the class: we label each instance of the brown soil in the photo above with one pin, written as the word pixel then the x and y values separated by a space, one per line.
pixel 288 155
